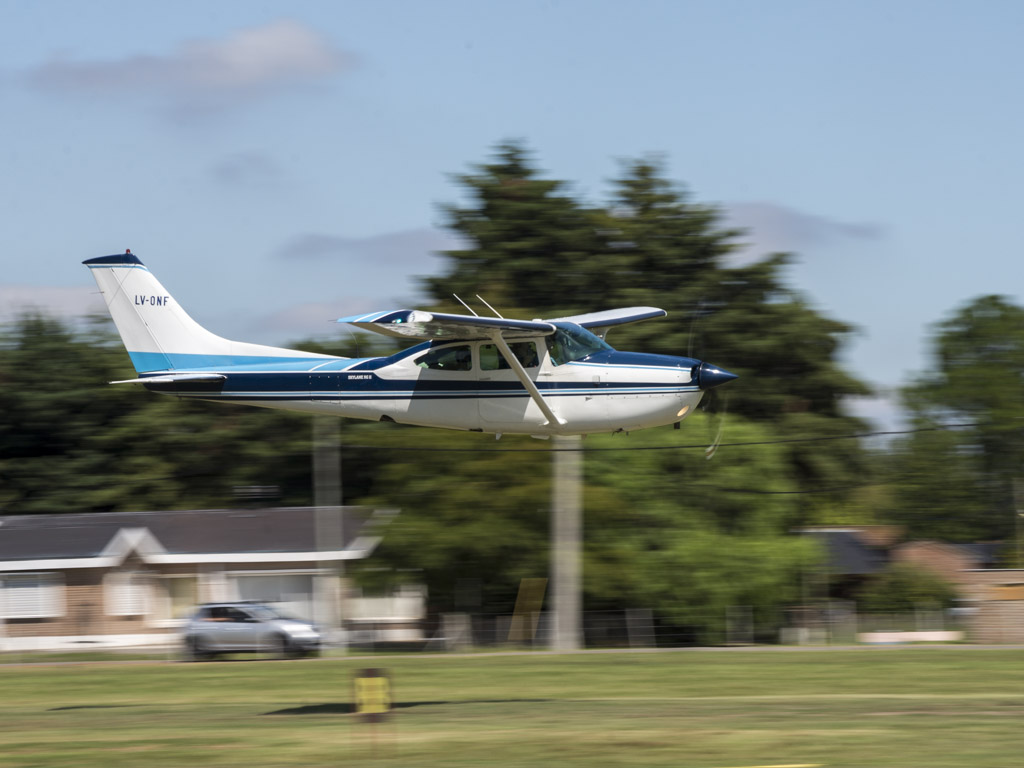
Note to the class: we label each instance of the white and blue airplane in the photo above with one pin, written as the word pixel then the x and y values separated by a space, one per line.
pixel 483 374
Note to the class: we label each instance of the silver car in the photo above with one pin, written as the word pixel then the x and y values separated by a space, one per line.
pixel 247 627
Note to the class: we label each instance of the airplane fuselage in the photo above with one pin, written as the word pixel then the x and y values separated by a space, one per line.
pixel 604 391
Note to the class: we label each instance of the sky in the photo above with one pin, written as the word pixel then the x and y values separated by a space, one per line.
pixel 278 165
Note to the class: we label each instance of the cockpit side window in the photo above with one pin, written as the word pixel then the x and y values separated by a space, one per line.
pixel 573 342
pixel 458 358
pixel 525 352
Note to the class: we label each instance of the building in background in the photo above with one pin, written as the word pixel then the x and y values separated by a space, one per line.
pixel 128 578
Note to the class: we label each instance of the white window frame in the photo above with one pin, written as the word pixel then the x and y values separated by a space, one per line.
pixel 47 602
pixel 163 606
pixel 123 596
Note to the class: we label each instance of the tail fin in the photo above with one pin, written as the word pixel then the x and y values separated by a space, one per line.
pixel 158 334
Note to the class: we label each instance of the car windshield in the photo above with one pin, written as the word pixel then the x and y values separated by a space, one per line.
pixel 572 342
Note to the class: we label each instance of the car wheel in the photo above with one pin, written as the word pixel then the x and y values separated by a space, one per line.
pixel 277 646
pixel 196 649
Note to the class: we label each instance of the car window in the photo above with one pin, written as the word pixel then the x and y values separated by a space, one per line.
pixel 459 358
pixel 236 614
pixel 525 352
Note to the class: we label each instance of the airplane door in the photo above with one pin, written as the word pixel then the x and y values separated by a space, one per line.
pixel 504 401
pixel 444 390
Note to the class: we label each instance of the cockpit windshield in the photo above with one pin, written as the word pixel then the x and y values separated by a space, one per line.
pixel 573 342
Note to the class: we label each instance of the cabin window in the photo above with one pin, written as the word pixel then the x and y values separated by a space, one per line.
pixel 525 352
pixel 572 342
pixel 458 358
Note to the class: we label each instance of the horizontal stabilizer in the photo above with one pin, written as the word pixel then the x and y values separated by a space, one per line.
pixel 173 378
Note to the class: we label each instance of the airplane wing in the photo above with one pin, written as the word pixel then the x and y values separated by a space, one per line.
pixel 600 322
pixel 417 324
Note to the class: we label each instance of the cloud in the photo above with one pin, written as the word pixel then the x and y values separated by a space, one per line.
pixel 409 248
pixel 204 75
pixel 771 227
pixel 247 169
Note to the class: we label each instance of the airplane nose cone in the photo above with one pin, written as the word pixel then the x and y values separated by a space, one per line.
pixel 709 376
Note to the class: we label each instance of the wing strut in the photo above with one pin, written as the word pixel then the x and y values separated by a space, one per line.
pixel 524 379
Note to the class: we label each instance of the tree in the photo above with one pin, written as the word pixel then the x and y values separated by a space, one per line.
pixel 534 251
pixel 959 484
pixel 902 588
pixel 665 528
pixel 526 240
pixel 69 442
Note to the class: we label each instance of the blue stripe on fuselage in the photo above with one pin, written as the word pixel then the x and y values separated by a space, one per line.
pixel 637 360
pixel 149 362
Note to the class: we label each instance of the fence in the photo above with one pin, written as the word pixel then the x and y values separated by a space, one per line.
pixel 638 628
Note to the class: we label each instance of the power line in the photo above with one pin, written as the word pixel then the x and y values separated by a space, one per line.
pixel 685 446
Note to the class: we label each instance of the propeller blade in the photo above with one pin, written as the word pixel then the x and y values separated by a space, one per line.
pixel 709 452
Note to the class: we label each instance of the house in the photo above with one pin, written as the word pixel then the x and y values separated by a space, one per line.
pixel 128 578
pixel 855 553
pixel 995 604
pixel 950 562
pixel 852 554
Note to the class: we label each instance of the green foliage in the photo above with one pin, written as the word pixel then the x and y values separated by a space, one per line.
pixel 70 442
pixel 526 240
pixel 664 527
pixel 531 250
pixel 903 588
pixel 690 537
pixel 959 484
pixel 469 513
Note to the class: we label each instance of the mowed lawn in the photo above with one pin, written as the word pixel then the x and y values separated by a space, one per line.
pixel 892 707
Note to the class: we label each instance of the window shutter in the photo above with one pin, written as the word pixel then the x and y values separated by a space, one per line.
pixel 32 595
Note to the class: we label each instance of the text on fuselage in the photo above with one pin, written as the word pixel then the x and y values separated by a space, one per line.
pixel 152 301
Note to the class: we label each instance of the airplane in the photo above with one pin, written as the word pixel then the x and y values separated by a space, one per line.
pixel 483 374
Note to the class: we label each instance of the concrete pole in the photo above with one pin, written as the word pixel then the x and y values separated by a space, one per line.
pixel 330 535
pixel 566 542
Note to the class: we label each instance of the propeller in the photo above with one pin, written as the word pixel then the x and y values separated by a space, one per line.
pixel 708 378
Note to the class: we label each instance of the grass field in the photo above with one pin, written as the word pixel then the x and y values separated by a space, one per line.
pixel 929 707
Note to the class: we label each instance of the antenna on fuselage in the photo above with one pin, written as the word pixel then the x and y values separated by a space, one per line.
pixel 466 305
pixel 490 307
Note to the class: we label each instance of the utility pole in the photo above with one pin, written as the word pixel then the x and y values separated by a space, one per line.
pixel 329 517
pixel 566 541
pixel 1018 496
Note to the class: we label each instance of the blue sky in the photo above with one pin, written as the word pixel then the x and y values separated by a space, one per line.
pixel 278 165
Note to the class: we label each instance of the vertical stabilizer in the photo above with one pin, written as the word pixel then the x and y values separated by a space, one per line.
pixel 158 334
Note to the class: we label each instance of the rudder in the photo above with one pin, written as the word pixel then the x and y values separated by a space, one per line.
pixel 157 332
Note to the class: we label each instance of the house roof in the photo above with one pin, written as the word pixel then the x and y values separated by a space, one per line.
pixel 225 535
pixel 848 555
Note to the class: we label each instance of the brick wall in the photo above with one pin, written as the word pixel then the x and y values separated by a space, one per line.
pixel 998 596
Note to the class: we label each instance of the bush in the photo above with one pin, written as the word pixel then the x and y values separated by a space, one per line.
pixel 903 587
